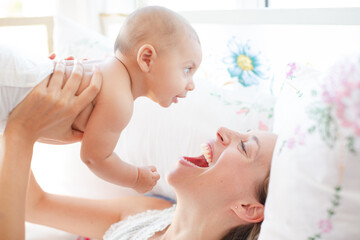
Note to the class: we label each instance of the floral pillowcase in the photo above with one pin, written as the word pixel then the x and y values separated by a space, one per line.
pixel 239 77
pixel 314 190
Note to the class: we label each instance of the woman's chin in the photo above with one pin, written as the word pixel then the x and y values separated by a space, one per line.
pixel 171 177
pixel 175 177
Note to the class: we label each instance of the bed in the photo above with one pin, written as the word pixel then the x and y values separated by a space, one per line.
pixel 294 49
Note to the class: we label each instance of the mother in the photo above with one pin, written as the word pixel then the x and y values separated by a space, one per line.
pixel 222 201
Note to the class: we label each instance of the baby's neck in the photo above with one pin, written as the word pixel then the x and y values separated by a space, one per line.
pixel 138 86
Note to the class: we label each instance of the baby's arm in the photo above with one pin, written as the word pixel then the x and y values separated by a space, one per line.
pixel 111 114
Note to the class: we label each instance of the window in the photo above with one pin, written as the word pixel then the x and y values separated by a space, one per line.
pixel 21 8
pixel 32 35
pixel 313 3
pixel 189 5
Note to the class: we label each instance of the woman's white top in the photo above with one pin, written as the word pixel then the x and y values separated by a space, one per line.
pixel 141 226
pixel 18 76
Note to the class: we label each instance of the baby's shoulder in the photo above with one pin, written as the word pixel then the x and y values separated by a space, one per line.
pixel 116 79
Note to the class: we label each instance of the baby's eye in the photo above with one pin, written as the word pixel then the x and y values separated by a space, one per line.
pixel 187 70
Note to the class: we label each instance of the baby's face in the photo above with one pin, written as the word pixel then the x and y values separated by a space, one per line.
pixel 174 70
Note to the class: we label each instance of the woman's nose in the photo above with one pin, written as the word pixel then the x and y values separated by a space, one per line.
pixel 223 135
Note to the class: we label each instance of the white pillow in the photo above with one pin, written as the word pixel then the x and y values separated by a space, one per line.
pixel 314 189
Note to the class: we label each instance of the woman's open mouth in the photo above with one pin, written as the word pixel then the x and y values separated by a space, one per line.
pixel 204 160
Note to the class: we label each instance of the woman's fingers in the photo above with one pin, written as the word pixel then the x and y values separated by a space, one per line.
pixel 73 83
pixel 50 109
pixel 56 81
pixel 70 58
pixel 52 56
pixel 91 91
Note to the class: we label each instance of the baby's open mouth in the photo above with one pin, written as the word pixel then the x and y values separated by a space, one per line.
pixel 204 160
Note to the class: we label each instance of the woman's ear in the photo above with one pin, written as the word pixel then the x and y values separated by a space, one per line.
pixel 146 57
pixel 251 213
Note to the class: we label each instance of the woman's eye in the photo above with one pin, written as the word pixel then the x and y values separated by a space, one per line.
pixel 187 71
pixel 243 146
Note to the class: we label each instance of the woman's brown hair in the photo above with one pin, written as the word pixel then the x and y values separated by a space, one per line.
pixel 250 231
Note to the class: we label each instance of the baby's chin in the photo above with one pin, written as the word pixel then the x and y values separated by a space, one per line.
pixel 165 104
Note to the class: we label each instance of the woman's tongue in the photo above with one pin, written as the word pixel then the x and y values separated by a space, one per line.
pixel 198 161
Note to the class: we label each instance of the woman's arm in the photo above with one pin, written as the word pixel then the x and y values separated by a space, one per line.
pixel 85 217
pixel 47 111
pixel 16 152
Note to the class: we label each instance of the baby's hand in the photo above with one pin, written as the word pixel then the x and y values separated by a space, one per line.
pixel 147 178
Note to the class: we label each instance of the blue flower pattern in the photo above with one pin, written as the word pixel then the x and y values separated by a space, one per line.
pixel 245 63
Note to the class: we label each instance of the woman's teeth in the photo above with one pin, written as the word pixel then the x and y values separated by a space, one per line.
pixel 206 151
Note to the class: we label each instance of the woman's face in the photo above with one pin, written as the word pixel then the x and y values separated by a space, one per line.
pixel 238 163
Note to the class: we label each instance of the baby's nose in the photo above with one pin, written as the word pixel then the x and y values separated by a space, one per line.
pixel 190 86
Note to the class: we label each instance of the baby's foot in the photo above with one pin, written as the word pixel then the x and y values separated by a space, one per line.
pixel 147 178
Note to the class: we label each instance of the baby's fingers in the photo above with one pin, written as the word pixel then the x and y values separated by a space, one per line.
pixel 156 176
pixel 152 168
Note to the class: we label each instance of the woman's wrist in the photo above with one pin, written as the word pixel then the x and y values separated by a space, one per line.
pixel 20 133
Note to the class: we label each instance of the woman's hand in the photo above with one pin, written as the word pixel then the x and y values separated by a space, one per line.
pixel 51 108
pixel 48 112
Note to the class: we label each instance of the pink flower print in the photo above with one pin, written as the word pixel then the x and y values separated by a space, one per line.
pixel 325 225
pixel 263 126
pixel 342 91
pixel 291 143
pixel 243 111
pixel 291 70
pixel 83 238
pixel 298 138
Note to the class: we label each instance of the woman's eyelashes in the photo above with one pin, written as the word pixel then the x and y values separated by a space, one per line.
pixel 242 146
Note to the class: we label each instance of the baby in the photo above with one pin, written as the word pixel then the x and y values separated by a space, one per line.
pixel 156 55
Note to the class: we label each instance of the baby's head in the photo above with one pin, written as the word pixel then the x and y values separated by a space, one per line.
pixel 161 48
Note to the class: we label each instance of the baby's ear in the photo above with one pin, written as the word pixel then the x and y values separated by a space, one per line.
pixel 145 57
pixel 251 213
